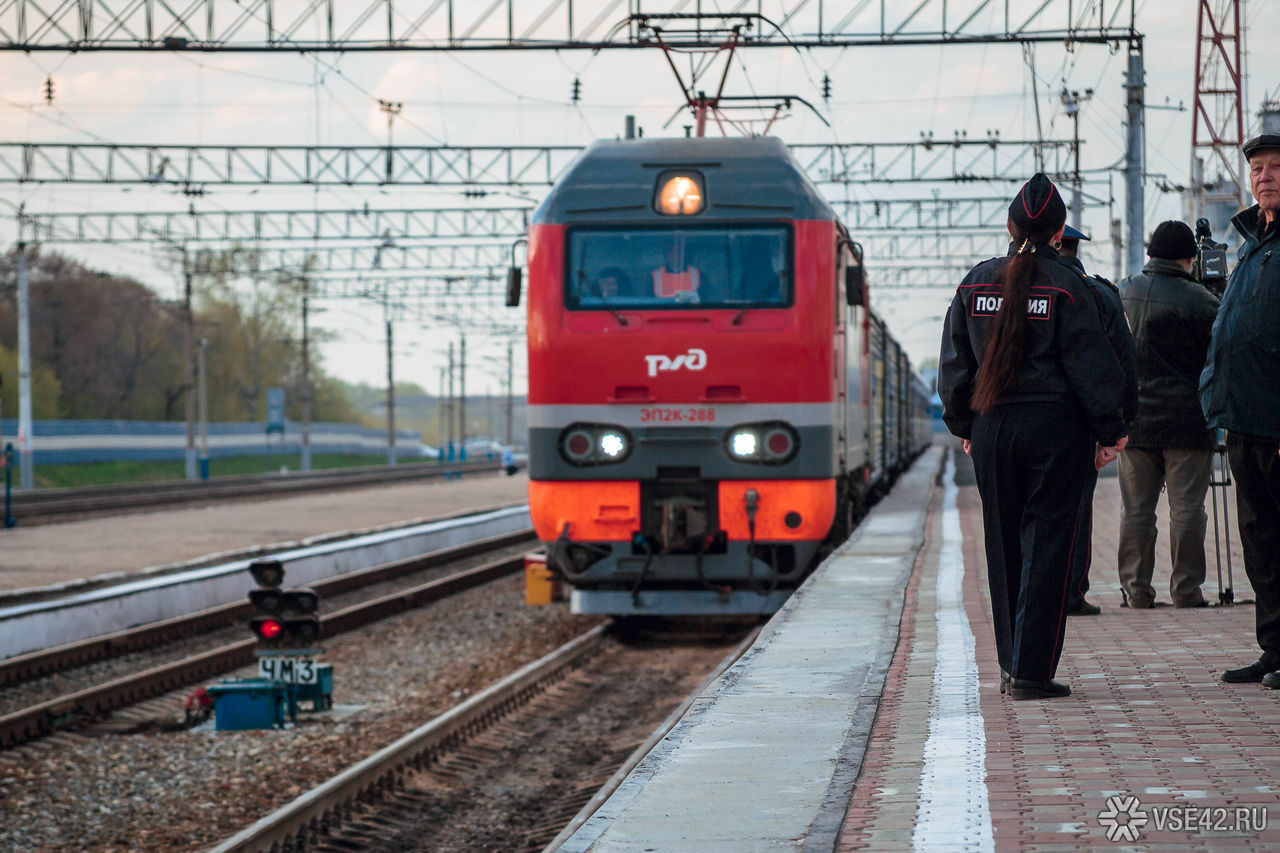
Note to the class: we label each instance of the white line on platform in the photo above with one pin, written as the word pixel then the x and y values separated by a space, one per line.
pixel 954 811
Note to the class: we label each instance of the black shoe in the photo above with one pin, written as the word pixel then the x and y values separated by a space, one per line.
pixel 1022 689
pixel 1251 674
pixel 1201 603
pixel 1138 605
pixel 1272 680
pixel 1084 608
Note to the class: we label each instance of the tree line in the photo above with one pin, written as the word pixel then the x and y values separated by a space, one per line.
pixel 108 347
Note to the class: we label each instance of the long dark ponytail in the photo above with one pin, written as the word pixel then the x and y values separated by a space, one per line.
pixel 1003 355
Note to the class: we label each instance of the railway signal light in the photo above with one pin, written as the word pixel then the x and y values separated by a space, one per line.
pixel 283 618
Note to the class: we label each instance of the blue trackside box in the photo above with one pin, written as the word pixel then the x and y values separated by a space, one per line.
pixel 248 703
pixel 319 694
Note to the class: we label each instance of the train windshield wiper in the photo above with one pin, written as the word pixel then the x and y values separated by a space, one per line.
pixel 753 302
pixel 594 287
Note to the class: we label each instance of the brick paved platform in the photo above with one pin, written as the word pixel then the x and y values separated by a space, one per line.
pixel 958 766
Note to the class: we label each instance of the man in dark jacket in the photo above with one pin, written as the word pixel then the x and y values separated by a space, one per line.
pixel 1111 311
pixel 1240 392
pixel 1170 446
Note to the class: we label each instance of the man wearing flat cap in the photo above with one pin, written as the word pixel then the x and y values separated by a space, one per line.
pixel 1170 447
pixel 1240 392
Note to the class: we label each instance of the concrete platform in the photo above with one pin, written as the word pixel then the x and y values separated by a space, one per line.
pixel 768 757
pixel 117 550
pixel 810 743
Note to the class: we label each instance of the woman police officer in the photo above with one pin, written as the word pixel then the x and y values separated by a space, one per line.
pixel 1031 384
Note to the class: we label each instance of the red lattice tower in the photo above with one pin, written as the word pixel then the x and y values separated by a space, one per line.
pixel 1218 120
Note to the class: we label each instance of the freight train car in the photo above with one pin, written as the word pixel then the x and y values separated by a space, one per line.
pixel 711 398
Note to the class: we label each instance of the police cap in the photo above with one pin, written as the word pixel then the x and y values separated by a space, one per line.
pixel 1038 206
pixel 1069 233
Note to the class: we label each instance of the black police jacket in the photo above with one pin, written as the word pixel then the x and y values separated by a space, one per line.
pixel 1171 315
pixel 1240 386
pixel 1066 355
pixel 1116 326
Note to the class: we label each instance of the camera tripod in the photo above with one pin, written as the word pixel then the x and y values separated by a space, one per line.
pixel 1220 478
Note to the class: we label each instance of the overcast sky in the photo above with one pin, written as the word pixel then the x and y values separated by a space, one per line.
pixel 500 98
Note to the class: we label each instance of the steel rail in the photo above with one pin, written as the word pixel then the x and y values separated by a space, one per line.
pixel 52 505
pixel 65 711
pixel 615 781
pixel 20 668
pixel 327 806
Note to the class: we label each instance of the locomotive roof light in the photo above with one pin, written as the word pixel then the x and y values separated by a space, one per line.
pixel 680 194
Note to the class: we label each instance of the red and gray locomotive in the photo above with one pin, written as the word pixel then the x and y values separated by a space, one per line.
pixel 710 398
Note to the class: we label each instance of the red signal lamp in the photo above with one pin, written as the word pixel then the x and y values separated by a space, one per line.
pixel 266 628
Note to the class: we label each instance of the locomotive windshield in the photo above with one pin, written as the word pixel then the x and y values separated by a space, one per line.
pixel 651 268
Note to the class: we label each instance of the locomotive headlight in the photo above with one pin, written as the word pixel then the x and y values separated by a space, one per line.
pixel 594 444
pixel 769 443
pixel 613 445
pixel 743 444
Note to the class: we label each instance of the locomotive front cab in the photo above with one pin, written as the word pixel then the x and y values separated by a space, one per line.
pixel 682 377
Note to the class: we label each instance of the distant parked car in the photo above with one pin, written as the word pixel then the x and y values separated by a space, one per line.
pixel 483 448
pixel 428 451
pixel 513 458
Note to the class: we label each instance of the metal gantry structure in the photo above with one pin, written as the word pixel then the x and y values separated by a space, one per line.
pixel 260 226
pixel 376 226
pixel 192 167
pixel 460 25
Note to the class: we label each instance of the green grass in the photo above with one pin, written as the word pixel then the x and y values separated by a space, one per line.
pixel 108 473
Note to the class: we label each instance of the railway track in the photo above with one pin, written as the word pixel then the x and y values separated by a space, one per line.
pixel 76 708
pixel 434 783
pixel 49 506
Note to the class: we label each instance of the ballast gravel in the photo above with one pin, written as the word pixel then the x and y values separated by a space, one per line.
pixel 186 790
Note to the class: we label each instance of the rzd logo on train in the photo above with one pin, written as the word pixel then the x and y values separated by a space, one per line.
pixel 988 305
pixel 694 359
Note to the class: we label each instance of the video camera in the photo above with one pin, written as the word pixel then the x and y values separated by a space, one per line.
pixel 1211 259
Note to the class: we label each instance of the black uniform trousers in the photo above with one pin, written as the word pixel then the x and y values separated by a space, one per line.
pixel 1032 462
pixel 1082 548
pixel 1255 463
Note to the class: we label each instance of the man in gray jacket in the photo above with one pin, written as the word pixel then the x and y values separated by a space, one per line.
pixel 1170 445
